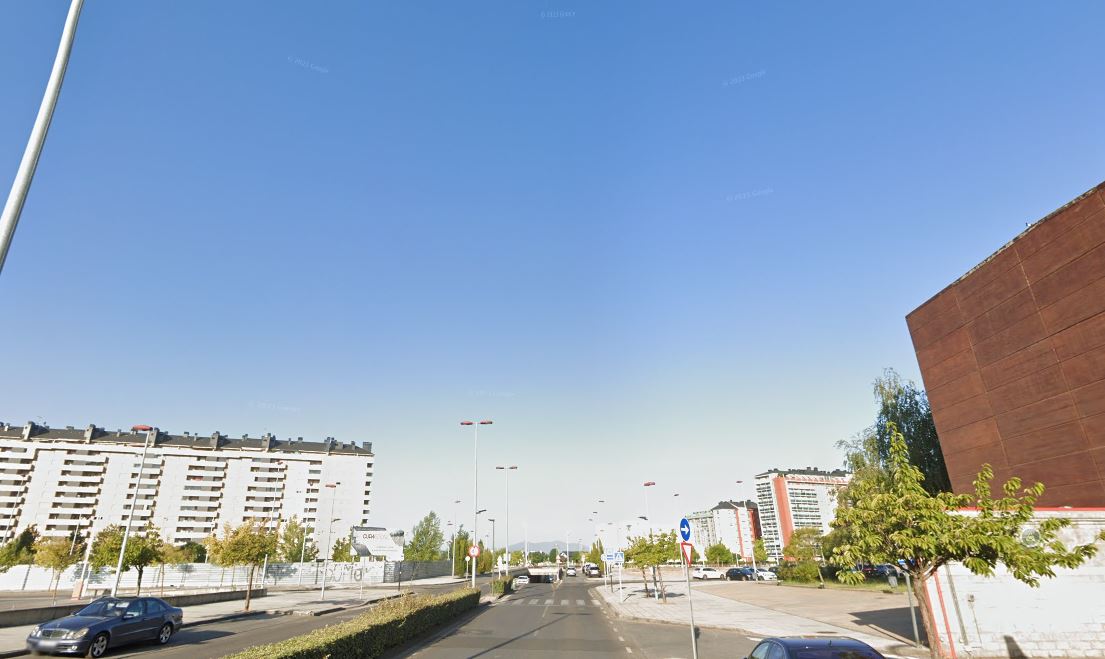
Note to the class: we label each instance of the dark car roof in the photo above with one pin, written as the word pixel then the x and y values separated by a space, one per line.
pixel 811 642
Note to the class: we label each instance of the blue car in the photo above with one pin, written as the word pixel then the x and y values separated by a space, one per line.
pixel 814 647
pixel 107 623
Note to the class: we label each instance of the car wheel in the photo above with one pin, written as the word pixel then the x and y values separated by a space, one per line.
pixel 98 648
pixel 165 634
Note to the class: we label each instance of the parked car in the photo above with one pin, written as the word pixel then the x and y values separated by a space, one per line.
pixel 571 572
pixel 739 574
pixel 813 647
pixel 108 622
pixel 521 580
pixel 766 575
pixel 592 571
pixel 706 573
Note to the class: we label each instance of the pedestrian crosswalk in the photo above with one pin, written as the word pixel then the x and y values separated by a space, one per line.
pixel 542 601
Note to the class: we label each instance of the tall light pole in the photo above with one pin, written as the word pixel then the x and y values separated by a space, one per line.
pixel 329 532
pixel 506 473
pixel 453 546
pixel 648 516
pixel 13 208
pixel 492 535
pixel 475 483
pixel 130 516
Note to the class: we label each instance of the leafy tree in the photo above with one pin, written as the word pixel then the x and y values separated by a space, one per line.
pixel 144 548
pixel 517 557
pixel 759 551
pixel 719 554
pixel 191 552
pixel 652 552
pixel 896 518
pixel 56 554
pixel 902 409
pixel 297 542
pixel 460 549
pixel 595 555
pixel 554 555
pixel 342 550
pixel 426 540
pixel 486 561
pixel 20 550
pixel 247 544
pixel 804 545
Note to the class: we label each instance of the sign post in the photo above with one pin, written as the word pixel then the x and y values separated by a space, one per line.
pixel 688 553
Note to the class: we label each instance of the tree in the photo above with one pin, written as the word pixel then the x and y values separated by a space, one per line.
pixel 759 551
pixel 297 543
pixel 904 407
pixel 57 554
pixel 554 555
pixel 20 550
pixel 426 540
pixel 895 518
pixel 719 554
pixel 802 553
pixel 248 544
pixel 460 549
pixel 652 552
pixel 191 552
pixel 595 555
pixel 485 562
pixel 143 549
pixel 517 557
pixel 342 550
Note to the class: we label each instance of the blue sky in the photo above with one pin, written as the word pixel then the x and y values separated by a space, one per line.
pixel 651 243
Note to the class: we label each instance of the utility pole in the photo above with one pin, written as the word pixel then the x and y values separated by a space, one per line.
pixel 130 516
pixel 13 208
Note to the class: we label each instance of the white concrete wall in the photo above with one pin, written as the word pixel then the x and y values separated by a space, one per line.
pixel 999 616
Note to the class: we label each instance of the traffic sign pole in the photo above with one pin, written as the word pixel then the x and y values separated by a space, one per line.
pixel 688 552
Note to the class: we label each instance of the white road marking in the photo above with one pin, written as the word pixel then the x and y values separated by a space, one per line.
pixel 594 602
pixel 621 639
pixel 580 603
pixel 565 602
pixel 628 650
pixel 537 602
pixel 548 602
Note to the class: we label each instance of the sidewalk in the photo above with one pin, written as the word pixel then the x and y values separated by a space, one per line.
pixel 13 639
pixel 723 613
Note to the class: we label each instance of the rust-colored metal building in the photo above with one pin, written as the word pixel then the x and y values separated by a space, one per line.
pixel 1013 359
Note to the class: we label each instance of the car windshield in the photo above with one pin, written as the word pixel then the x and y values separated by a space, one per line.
pixel 104 608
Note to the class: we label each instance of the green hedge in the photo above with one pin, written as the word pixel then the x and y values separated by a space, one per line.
pixel 502 586
pixel 385 626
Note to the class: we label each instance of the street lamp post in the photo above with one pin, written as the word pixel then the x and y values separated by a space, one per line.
pixel 453 546
pixel 752 528
pixel 13 208
pixel 506 473
pixel 492 535
pixel 130 515
pixel 475 482
pixel 329 533
pixel 648 516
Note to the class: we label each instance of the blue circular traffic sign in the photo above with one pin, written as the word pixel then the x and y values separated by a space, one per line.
pixel 685 529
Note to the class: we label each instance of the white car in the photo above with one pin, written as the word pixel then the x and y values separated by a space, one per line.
pixel 521 580
pixel 706 573
pixel 766 575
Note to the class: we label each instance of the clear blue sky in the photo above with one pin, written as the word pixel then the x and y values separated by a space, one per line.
pixel 650 242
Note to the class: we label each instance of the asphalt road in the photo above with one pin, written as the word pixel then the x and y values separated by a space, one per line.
pixel 566 620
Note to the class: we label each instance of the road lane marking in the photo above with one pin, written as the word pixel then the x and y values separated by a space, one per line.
pixel 565 602
pixel 580 603
pixel 548 602
pixel 594 602
pixel 628 650
pixel 621 639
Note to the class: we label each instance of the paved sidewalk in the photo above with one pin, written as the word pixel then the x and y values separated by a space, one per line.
pixel 723 613
pixel 13 639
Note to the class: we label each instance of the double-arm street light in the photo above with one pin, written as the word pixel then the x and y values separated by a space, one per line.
pixel 475 481
pixel 506 473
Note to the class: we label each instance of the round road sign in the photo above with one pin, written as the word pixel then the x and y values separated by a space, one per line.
pixel 474 551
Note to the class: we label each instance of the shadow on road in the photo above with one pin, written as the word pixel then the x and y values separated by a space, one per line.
pixel 893 621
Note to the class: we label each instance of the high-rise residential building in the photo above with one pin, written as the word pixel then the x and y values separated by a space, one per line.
pixel 792 499
pixel 1013 358
pixel 735 524
pixel 73 481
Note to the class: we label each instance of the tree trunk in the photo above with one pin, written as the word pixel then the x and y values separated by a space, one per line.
pixel 139 592
pixel 644 579
pixel 663 590
pixel 920 593
pixel 249 588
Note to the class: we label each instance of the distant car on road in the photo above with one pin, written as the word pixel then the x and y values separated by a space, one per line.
pixel 571 572
pixel 740 574
pixel 107 623
pixel 592 571
pixel 813 647
pixel 766 575
pixel 521 580
pixel 706 573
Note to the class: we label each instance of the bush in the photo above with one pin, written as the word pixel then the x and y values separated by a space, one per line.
pixel 803 571
pixel 387 625
pixel 502 586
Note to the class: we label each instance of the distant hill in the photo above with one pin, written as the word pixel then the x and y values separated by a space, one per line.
pixel 543 546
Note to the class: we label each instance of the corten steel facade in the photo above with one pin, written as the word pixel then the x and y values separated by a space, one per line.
pixel 1013 359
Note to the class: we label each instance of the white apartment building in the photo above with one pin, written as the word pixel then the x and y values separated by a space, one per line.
pixel 67 481
pixel 792 499
pixel 734 524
